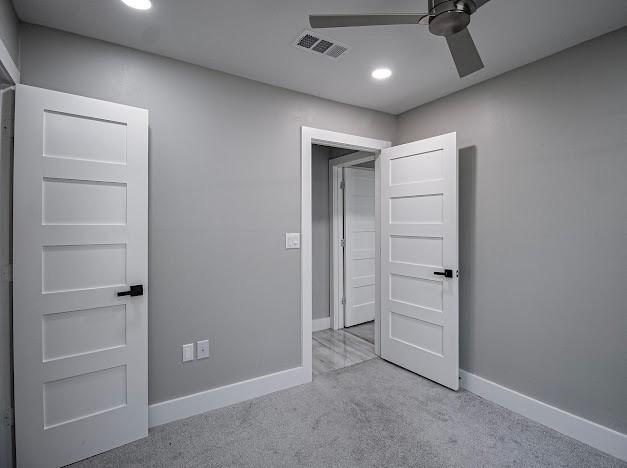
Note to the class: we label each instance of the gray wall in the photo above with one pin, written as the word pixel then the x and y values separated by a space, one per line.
pixel 543 233
pixel 9 28
pixel 224 188
pixel 542 214
pixel 320 231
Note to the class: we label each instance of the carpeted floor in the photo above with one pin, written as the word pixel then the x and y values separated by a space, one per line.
pixel 372 414
pixel 365 331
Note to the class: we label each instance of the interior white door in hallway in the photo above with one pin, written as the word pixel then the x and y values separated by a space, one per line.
pixel 359 250
pixel 80 240
pixel 419 258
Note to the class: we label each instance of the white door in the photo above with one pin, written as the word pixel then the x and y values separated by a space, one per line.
pixel 419 258
pixel 80 238
pixel 359 251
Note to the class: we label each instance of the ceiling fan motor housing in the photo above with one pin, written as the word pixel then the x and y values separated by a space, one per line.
pixel 450 16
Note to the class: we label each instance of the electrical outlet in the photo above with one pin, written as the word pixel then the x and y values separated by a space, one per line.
pixel 188 352
pixel 202 349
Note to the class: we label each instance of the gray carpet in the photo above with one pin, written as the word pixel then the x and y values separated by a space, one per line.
pixel 365 331
pixel 372 414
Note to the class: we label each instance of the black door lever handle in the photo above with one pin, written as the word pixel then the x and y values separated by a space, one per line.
pixel 135 290
pixel 446 273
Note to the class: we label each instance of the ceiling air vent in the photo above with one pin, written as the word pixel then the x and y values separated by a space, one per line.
pixel 317 44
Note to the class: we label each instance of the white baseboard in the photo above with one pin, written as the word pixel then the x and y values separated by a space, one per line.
pixel 190 405
pixel 320 324
pixel 600 437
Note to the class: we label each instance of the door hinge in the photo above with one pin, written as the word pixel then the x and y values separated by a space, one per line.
pixel 343 242
pixel 7 272
pixel 8 418
pixel 7 126
pixel 342 184
pixel 343 301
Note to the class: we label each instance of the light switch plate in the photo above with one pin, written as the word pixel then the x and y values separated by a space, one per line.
pixel 292 240
pixel 188 352
pixel 202 349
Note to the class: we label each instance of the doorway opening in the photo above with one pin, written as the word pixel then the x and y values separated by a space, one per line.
pixel 416 306
pixel 325 155
pixel 343 243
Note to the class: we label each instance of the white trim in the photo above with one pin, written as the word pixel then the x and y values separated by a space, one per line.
pixel 600 437
pixel 8 69
pixel 377 262
pixel 321 324
pixel 190 405
pixel 311 136
pixel 352 159
pixel 336 210
pixel 336 278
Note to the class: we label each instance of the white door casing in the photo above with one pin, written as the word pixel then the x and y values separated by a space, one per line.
pixel 80 237
pixel 359 252
pixel 419 237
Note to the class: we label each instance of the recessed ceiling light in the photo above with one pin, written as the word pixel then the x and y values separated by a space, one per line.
pixel 381 73
pixel 138 4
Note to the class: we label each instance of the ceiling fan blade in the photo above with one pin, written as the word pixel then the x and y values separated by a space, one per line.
pixel 344 21
pixel 464 52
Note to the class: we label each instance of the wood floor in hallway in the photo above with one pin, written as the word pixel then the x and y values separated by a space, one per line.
pixel 334 349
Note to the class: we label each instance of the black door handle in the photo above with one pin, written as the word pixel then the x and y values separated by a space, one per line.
pixel 446 273
pixel 135 290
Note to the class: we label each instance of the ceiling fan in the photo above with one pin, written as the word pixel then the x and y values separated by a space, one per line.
pixel 448 18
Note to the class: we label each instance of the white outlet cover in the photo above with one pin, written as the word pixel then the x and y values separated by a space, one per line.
pixel 202 349
pixel 292 240
pixel 188 352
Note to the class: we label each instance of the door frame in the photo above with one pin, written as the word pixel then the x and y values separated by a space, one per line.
pixel 8 69
pixel 336 165
pixel 9 78
pixel 310 136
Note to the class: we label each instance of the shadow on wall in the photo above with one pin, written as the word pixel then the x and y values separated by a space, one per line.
pixel 467 239
pixel 6 248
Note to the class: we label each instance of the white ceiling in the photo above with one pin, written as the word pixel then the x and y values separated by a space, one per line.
pixel 252 38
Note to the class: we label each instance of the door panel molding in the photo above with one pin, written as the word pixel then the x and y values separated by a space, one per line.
pixel 360 245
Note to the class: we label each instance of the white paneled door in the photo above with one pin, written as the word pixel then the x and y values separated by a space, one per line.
pixel 80 239
pixel 419 258
pixel 359 251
